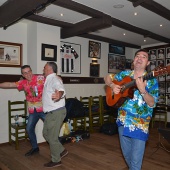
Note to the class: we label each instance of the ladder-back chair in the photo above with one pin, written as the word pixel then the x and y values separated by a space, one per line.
pixel 17 114
pixel 95 113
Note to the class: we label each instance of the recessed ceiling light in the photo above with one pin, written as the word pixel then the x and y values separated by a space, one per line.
pixel 124 33
pixel 144 40
pixel 135 13
pixel 61 15
pixel 118 6
pixel 160 25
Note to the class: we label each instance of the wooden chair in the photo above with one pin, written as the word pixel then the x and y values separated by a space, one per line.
pixel 95 113
pixel 17 128
pixel 78 116
pixel 86 105
pixel 160 114
pixel 109 114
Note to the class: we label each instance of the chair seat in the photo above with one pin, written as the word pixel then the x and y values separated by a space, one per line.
pixel 20 125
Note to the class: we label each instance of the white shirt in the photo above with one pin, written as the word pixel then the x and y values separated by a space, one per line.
pixel 51 84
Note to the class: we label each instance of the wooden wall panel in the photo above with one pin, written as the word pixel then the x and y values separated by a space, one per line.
pixel 66 80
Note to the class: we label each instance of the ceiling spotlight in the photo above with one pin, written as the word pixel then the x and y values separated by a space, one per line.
pixel 135 13
pixel 144 40
pixel 160 25
pixel 124 33
pixel 61 14
pixel 118 6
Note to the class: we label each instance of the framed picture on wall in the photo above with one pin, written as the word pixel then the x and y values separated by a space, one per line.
pixel 161 53
pixel 116 63
pixel 152 65
pixel 129 64
pixel 94 70
pixel 10 54
pixel 168 52
pixel 116 49
pixel 70 55
pixel 162 87
pixel 49 52
pixel 94 49
pixel 152 54
pixel 168 87
pixel 168 99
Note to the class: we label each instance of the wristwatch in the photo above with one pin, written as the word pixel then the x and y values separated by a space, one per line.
pixel 142 94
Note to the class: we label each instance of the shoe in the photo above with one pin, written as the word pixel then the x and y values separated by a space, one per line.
pixel 32 152
pixel 64 153
pixel 52 164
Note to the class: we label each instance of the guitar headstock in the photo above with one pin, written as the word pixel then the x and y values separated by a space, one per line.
pixel 161 70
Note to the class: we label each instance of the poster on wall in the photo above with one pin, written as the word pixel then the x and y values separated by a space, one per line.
pixel 70 54
pixel 10 54
pixel 116 63
pixel 152 54
pixel 161 53
pixel 120 50
pixel 168 52
pixel 94 49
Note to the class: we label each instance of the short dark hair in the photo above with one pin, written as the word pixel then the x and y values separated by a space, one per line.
pixel 143 50
pixel 25 66
pixel 53 66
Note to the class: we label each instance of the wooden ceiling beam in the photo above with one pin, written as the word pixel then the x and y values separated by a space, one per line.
pixel 74 6
pixel 138 2
pixel 12 10
pixel 89 25
pixel 108 40
pixel 49 21
pixel 155 7
pixel 138 30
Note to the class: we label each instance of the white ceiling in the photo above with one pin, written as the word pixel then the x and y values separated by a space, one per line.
pixel 145 19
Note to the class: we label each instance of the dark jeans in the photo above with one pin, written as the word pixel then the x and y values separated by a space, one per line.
pixel 32 121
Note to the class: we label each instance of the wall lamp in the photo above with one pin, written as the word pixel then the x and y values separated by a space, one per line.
pixel 94 61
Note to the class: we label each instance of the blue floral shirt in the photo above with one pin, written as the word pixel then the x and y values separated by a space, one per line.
pixel 135 115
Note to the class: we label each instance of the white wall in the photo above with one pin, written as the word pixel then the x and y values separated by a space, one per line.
pixel 32 35
pixel 16 34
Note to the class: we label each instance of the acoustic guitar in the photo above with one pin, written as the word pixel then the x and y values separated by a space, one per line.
pixel 129 86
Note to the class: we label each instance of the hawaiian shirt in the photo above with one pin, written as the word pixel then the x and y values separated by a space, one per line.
pixel 33 92
pixel 135 115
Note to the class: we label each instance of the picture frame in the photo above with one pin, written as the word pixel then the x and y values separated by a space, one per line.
pixel 116 63
pixel 162 87
pixel 161 53
pixel 70 55
pixel 48 52
pixel 168 87
pixel 153 54
pixel 129 64
pixel 94 49
pixel 94 70
pixel 168 52
pixel 115 49
pixel 10 54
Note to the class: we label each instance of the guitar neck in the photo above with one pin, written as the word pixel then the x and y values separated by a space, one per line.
pixel 133 82
pixel 148 76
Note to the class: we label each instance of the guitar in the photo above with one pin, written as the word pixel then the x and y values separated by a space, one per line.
pixel 129 86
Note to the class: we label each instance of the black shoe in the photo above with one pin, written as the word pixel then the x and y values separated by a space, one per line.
pixel 32 152
pixel 64 153
pixel 52 164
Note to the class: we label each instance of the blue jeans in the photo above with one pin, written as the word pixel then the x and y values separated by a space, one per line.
pixel 32 121
pixel 132 149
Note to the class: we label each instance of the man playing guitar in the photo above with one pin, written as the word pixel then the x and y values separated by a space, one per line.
pixel 135 113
